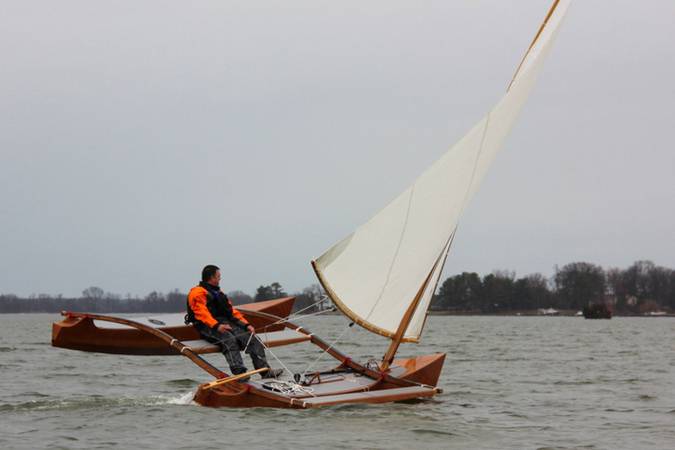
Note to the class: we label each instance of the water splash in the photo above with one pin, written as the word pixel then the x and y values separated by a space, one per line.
pixel 96 402
pixel 183 399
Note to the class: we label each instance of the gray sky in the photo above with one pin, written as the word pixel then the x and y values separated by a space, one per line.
pixel 142 140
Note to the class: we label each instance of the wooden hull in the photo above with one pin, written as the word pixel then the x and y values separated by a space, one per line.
pixel 414 378
pixel 81 333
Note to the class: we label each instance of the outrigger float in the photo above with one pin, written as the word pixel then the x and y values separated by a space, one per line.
pixel 382 277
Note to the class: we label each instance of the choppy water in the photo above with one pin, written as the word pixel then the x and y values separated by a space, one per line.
pixel 510 383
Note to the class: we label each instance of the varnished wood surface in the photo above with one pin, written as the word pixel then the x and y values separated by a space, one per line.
pixel 79 332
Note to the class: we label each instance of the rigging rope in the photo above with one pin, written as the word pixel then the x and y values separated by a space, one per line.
pixel 323 299
pixel 286 319
pixel 271 352
pixel 290 316
pixel 288 388
pixel 321 355
pixel 316 313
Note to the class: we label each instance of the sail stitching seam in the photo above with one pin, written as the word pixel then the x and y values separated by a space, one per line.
pixel 398 248
pixel 466 195
pixel 475 163
pixel 405 225
pixel 445 250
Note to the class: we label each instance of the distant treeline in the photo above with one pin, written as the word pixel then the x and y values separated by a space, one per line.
pixel 642 287
pixel 95 299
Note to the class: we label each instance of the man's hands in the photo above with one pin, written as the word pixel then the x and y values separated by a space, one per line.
pixel 223 328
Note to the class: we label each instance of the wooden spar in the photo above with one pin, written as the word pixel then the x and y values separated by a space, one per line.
pixel 403 326
pixel 170 340
pixel 222 381
pixel 445 257
pixel 407 317
pixel 410 312
pixel 536 36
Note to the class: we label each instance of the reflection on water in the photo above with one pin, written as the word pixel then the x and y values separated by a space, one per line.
pixel 509 382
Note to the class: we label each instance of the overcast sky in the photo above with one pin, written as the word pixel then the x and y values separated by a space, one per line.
pixel 142 140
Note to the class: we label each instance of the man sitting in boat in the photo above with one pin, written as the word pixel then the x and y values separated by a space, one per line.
pixel 212 314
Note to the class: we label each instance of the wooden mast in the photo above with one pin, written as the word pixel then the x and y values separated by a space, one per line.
pixel 407 317
pixel 403 326
pixel 338 249
pixel 410 312
pixel 536 36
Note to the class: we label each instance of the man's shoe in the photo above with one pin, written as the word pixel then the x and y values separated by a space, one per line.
pixel 272 373
pixel 238 371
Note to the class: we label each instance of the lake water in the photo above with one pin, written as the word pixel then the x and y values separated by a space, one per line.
pixel 509 383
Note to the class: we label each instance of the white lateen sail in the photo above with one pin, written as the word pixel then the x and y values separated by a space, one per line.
pixel 396 258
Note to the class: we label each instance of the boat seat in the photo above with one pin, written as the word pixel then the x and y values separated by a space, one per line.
pixel 272 339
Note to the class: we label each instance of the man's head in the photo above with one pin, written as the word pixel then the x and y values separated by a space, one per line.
pixel 211 275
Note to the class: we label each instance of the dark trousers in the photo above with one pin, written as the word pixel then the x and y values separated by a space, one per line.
pixel 231 343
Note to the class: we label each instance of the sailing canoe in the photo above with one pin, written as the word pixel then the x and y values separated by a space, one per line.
pixel 382 276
